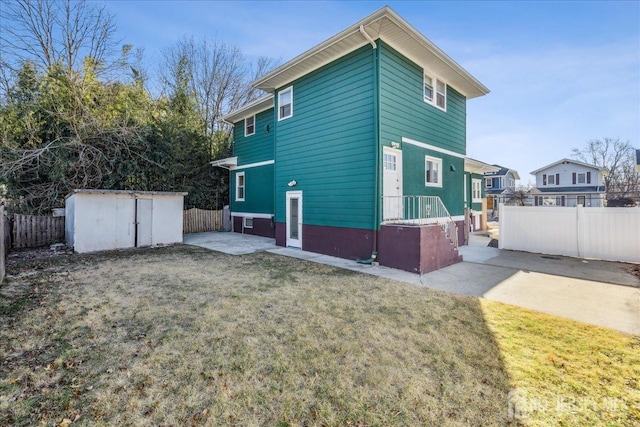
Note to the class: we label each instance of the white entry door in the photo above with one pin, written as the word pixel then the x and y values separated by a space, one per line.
pixel 393 205
pixel 294 219
pixel 144 214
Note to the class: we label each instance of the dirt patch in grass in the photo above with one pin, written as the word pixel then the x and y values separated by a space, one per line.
pixel 181 335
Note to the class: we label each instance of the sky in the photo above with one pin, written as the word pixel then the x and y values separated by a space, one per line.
pixel 560 73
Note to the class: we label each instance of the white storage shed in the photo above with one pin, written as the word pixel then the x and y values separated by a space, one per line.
pixel 98 220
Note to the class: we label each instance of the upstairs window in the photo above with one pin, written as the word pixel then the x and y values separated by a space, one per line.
pixel 428 89
pixel 285 103
pixel 551 180
pixel 581 178
pixel 240 184
pixel 435 92
pixel 432 172
pixel 249 126
pixel 441 95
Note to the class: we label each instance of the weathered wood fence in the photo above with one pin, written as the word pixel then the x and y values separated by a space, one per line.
pixel 31 231
pixel 3 244
pixel 200 220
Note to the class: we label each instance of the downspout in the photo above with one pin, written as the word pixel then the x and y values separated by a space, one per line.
pixel 376 119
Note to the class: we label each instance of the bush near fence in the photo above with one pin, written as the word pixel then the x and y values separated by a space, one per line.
pixel 201 220
pixel 31 231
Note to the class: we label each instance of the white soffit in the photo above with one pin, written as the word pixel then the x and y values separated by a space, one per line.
pixel 388 26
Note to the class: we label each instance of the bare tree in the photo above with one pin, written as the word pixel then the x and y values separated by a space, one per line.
pixel 518 196
pixel 618 158
pixel 46 32
pixel 219 76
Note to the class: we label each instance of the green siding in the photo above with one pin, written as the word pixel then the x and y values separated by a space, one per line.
pixel 470 177
pixel 258 196
pixel 328 146
pixel 403 113
pixel 413 175
pixel 257 147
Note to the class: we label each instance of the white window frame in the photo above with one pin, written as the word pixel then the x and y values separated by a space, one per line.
pixel 512 183
pixel 280 93
pixel 432 81
pixel 488 183
pixel 243 186
pixel 584 178
pixel 246 126
pixel 549 179
pixel 247 222
pixel 437 161
pixel 476 190
pixel 427 79
pixel 443 93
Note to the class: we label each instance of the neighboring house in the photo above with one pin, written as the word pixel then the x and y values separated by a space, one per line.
pixel 358 149
pixel 570 183
pixel 638 161
pixel 498 184
pixel 474 191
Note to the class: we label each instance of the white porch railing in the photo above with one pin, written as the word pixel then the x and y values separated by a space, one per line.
pixel 419 210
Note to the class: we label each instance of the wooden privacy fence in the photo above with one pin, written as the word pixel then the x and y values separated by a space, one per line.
pixel 3 248
pixel 200 220
pixel 30 231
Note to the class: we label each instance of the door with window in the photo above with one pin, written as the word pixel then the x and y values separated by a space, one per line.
pixel 393 204
pixel 294 219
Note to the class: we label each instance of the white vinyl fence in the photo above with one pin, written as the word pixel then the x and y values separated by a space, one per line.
pixel 599 233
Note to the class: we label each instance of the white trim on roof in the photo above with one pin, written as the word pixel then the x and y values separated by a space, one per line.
pixel 255 107
pixel 383 24
pixel 251 215
pixel 575 162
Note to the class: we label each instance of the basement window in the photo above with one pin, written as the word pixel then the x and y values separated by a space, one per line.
pixel 248 222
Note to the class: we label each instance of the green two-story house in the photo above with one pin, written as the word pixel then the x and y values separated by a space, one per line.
pixel 358 148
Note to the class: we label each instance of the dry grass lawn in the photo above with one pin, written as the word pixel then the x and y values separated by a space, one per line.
pixel 186 336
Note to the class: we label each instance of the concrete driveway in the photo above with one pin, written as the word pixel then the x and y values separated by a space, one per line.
pixel 596 292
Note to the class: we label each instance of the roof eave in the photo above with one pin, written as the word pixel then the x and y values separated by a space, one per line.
pixel 257 106
pixel 469 86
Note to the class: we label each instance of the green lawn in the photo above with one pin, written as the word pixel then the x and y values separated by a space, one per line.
pixel 185 336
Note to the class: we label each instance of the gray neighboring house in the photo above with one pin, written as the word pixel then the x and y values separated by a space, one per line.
pixel 637 160
pixel 498 184
pixel 569 183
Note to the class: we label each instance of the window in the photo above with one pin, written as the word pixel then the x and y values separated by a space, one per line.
pixel 432 172
pixel 488 182
pixel 428 89
pixel 551 180
pixel 389 162
pixel 240 184
pixel 582 178
pixel 249 126
pixel 441 95
pixel 431 85
pixel 512 183
pixel 476 190
pixel 285 103
pixel 247 222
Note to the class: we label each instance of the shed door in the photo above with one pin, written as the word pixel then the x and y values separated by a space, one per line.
pixel 144 214
pixel 125 223
pixel 393 203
